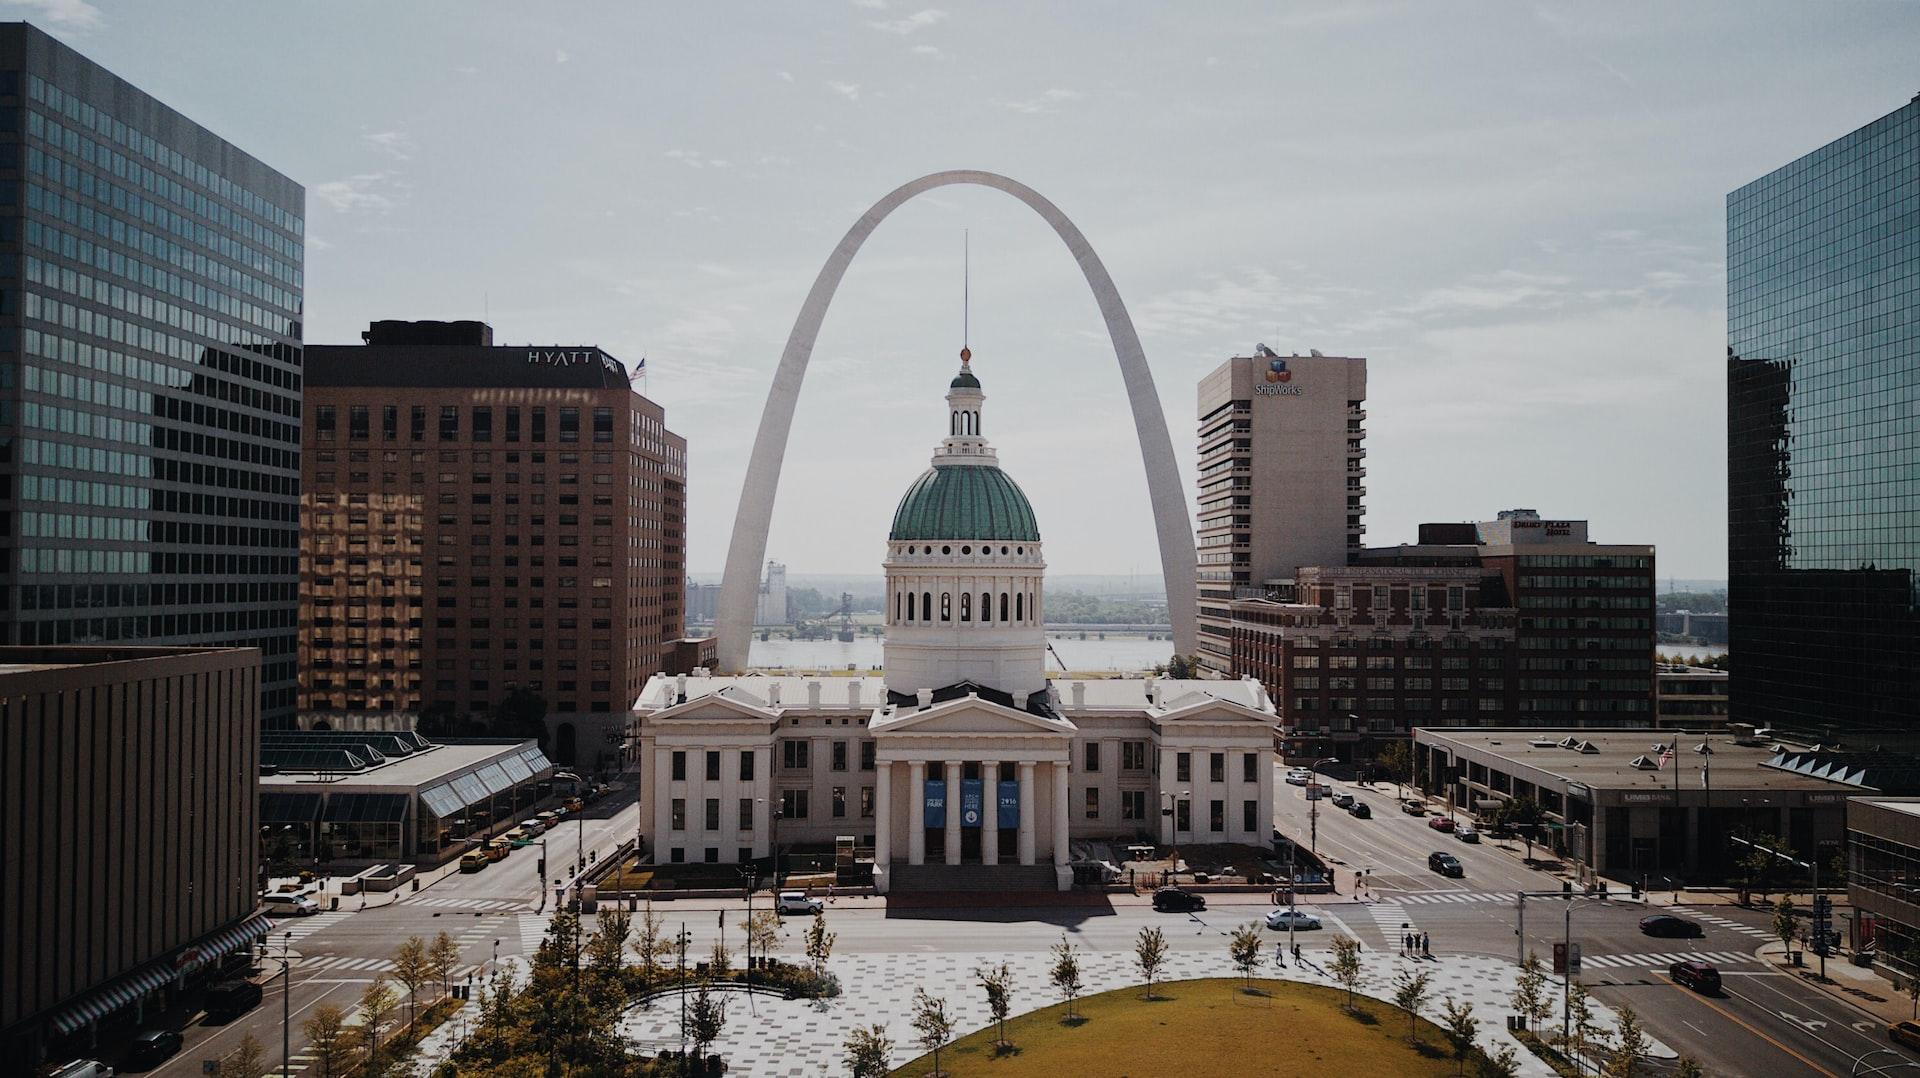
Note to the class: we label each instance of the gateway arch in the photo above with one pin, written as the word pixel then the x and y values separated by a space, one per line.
pixel 747 550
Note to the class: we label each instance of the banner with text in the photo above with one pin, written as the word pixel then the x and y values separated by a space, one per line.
pixel 1009 804
pixel 972 802
pixel 936 803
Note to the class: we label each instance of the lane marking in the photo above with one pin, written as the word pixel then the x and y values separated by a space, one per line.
pixel 1750 1028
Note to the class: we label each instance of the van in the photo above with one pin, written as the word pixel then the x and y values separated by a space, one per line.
pixel 231 998
pixel 82 1068
pixel 285 905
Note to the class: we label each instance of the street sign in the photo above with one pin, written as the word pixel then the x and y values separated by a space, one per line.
pixel 1566 959
pixel 1316 791
pixel 1560 959
pixel 1573 960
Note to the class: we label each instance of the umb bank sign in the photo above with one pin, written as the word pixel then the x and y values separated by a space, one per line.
pixel 1276 381
pixel 567 357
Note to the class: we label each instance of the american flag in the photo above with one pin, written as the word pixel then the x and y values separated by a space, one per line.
pixel 1666 754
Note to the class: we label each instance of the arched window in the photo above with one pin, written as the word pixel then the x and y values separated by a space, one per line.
pixel 946 606
pixel 986 606
pixel 976 421
pixel 909 606
pixel 1003 606
pixel 966 606
pixel 896 606
pixel 1020 606
pixel 926 606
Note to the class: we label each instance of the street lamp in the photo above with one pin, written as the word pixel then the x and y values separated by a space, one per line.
pixel 286 1004
pixel 580 830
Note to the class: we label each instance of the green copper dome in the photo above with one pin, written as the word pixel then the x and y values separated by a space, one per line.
pixel 965 501
pixel 964 380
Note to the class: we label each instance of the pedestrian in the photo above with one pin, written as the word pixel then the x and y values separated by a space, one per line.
pixel 1296 952
pixel 1279 954
pixel 1426 940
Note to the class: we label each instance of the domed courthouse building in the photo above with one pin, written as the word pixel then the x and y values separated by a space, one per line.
pixel 963 759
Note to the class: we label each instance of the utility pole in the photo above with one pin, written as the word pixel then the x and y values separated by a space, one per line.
pixel 286 1005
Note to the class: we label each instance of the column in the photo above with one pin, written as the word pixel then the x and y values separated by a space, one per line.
pixel 882 812
pixel 662 802
pixel 953 807
pixel 1059 812
pixel 763 802
pixel 1026 812
pixel 990 813
pixel 916 812
pixel 1168 792
pixel 1265 773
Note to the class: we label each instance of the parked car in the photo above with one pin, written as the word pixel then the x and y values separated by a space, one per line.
pixel 280 904
pixel 231 998
pixel 796 903
pixel 574 804
pixel 152 1048
pixel 82 1068
pixel 1413 806
pixel 1440 823
pixel 1464 832
pixel 1446 864
pixel 1666 924
pixel 497 850
pixel 1298 776
pixel 1697 975
pixel 1905 1033
pixel 1359 810
pixel 473 861
pixel 1286 916
pixel 516 838
pixel 1174 900
pixel 546 820
pixel 1343 799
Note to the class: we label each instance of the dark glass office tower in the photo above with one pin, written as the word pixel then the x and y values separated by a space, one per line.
pixel 1823 432
pixel 150 306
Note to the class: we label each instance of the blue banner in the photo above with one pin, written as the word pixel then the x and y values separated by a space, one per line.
pixel 972 802
pixel 936 808
pixel 1009 804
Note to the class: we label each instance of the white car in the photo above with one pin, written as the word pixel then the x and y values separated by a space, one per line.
pixel 285 905
pixel 1287 916
pixel 796 903
pixel 1299 776
pixel 1465 832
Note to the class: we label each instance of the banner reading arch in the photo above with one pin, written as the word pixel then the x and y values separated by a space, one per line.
pixel 739 588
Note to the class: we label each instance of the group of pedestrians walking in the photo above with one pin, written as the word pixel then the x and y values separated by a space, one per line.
pixel 1416 943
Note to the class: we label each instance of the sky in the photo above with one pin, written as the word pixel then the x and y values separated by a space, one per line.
pixel 1514 211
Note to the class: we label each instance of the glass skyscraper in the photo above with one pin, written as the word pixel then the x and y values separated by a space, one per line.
pixel 1823 425
pixel 150 325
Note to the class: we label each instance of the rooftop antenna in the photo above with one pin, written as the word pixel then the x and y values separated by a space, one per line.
pixel 966 293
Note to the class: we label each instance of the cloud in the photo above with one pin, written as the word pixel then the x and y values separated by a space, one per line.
pixel 911 24
pixel 561 56
pixel 1045 101
pixel 871 5
pixel 927 50
pixel 1492 292
pixel 465 69
pixel 397 143
pixel 848 90
pixel 355 193
pixel 71 16
pixel 696 159
pixel 786 76
pixel 1248 305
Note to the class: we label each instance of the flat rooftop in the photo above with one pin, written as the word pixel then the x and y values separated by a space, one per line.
pixel 419 769
pixel 1099 694
pixel 1610 766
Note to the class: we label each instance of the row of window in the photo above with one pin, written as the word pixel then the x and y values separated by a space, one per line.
pixel 906 610
pixel 480 426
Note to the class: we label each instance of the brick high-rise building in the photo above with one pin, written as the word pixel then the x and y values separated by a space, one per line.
pixel 1281 467
pixel 480 519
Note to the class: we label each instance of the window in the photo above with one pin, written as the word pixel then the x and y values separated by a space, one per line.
pixel 483 424
pixel 449 422
pixel 325 419
pixel 1217 768
pixel 513 424
pixel 1133 756
pixel 1250 816
pixel 1093 802
pixel 603 424
pixel 745 808
pixel 569 424
pixel 793 754
pixel 712 855
pixel 679 766
pixel 1092 750
pixel 793 804
pixel 713 814
pixel 679 855
pixel 1250 767
pixel 390 425
pixel 358 423
pixel 946 606
pixel 1183 767
pixel 539 428
pixel 866 755
pixel 1133 804
pixel 839 802
pixel 866 802
pixel 679 814
pixel 1216 816
pixel 746 765
pixel 839 756
pixel 713 766
pixel 417 423
pixel 1183 815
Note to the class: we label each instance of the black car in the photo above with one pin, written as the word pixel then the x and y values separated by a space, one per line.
pixel 1665 924
pixel 229 999
pixel 1446 864
pixel 1699 976
pixel 1359 810
pixel 1174 900
pixel 152 1048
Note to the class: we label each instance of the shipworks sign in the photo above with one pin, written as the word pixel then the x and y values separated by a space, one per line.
pixel 1276 381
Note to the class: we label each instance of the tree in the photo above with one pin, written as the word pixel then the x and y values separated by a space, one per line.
pixel 413 969
pixel 1502 1064
pixel 706 1018
pixel 997 983
pixel 1530 992
pixel 249 1060
pixel 1629 1044
pixel 1911 957
pixel 607 947
pixel 932 1023
pixel 1688 1067
pixel 1461 1028
pixel 522 713
pixel 1580 1021
pixel 376 1003
pixel 819 944
pixel 1397 761
pixel 325 1030
pixel 719 961
pixel 1065 973
pixel 1410 995
pixel 1150 954
pixel 1756 862
pixel 1784 925
pixel 1345 965
pixel 869 1052
pixel 1523 814
pixel 763 932
pixel 1244 947
pixel 443 956
pixel 649 945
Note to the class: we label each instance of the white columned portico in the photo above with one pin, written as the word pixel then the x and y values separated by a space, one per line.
pixel 882 813
pixel 1060 814
pixel 953 812
pixel 916 812
pixel 1026 812
pixel 990 812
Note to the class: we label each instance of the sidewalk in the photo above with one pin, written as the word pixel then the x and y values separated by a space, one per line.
pixel 1863 988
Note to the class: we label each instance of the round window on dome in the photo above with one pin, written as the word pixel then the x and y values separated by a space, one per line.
pixel 1019 550
pixel 1003 551
pixel 946 550
pixel 966 550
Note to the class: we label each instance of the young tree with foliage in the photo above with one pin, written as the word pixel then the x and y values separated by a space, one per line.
pixel 1461 1027
pixel 719 961
pixel 1410 995
pixel 933 1024
pixel 1688 1067
pixel 1756 862
pixel 706 1019
pixel 1150 954
pixel 1785 927
pixel 819 944
pixel 650 945
pixel 249 1060
pixel 1530 992
pixel 326 1033
pixel 1581 1024
pixel 1504 1063
pixel 443 955
pixel 1397 760
pixel 997 983
pixel 1345 965
pixel 376 1003
pixel 607 947
pixel 1065 973
pixel 1523 814
pixel 869 1052
pixel 413 969
pixel 763 932
pixel 1244 948
pixel 1629 1044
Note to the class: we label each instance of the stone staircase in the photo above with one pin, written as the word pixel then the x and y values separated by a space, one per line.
pixel 972 878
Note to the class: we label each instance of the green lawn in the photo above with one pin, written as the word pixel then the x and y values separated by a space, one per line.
pixel 1201 1028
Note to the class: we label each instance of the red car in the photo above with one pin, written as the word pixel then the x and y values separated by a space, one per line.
pixel 1440 823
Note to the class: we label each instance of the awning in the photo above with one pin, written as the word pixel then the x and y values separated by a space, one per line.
pixel 228 940
pixel 112 996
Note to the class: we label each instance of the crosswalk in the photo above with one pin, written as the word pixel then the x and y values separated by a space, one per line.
pixel 344 963
pixel 1390 916
pixel 484 904
pixel 1439 897
pixel 533 929
pixel 299 928
pixel 1718 958
pixel 1695 913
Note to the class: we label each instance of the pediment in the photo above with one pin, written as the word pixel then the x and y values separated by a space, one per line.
pixel 969 717
pixel 731 702
pixel 1197 707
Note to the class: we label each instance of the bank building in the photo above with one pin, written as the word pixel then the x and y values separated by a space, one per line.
pixel 963 763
